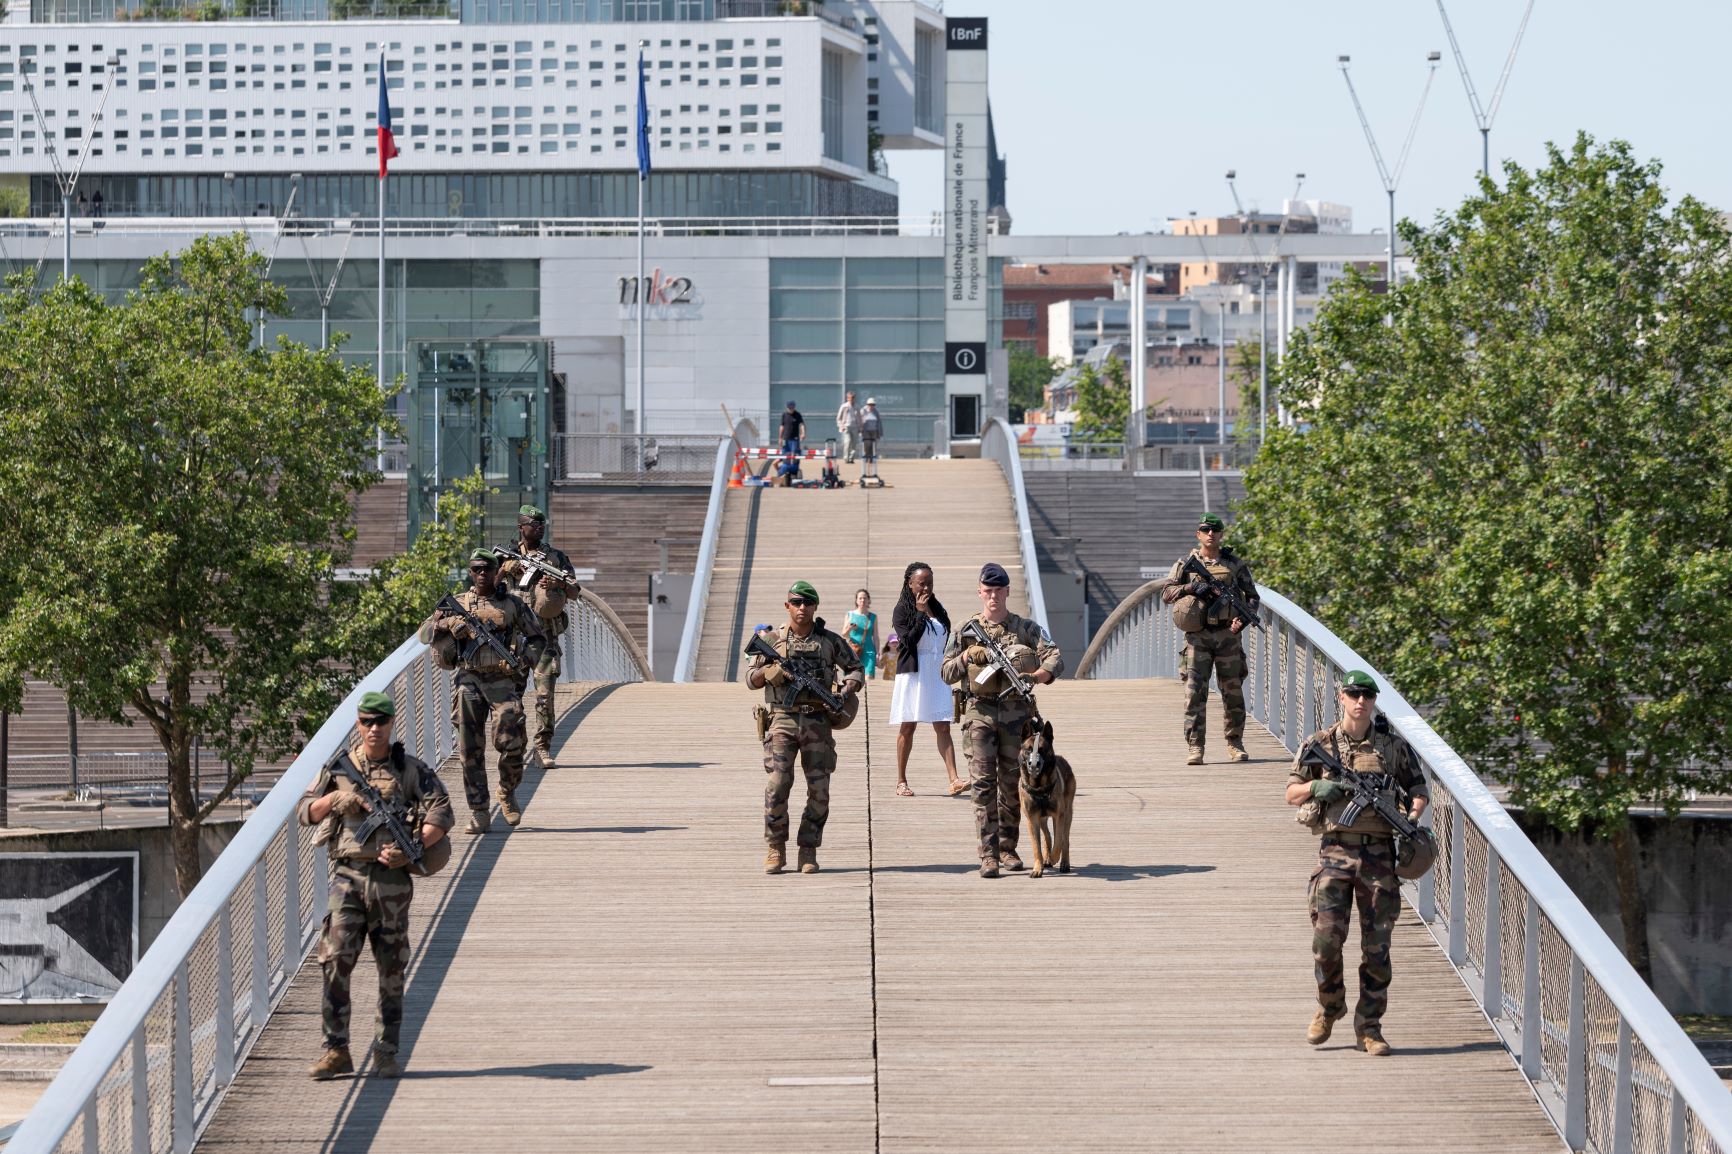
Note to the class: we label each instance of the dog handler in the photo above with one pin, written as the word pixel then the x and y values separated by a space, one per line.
pixel 1356 863
pixel 991 726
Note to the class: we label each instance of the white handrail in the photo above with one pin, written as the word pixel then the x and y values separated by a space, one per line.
pixel 998 441
pixel 1293 665
pixel 686 664
pixel 201 969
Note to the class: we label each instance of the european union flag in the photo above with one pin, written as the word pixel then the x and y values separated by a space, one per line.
pixel 643 133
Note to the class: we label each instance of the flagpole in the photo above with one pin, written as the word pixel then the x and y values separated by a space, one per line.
pixel 380 463
pixel 641 295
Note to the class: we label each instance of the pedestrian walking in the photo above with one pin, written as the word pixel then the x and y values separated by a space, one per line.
pixel 848 428
pixel 862 632
pixel 921 697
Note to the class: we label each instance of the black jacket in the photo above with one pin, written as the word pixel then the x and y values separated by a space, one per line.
pixel 910 626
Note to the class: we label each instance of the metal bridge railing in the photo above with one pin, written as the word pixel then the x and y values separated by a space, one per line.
pixel 153 1068
pixel 1613 1070
pixel 686 664
pixel 998 443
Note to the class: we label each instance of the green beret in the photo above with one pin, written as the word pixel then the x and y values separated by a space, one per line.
pixel 531 512
pixel 803 589
pixel 1210 521
pixel 1360 680
pixel 486 555
pixel 374 702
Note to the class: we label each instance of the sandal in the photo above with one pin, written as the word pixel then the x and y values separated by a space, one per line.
pixel 960 785
pixel 902 790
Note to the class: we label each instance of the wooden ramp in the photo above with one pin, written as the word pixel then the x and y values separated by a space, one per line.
pixel 953 515
pixel 618 974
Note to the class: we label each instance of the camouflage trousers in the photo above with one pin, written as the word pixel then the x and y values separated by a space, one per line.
pixel 546 675
pixel 478 699
pixel 993 747
pixel 1349 875
pixel 368 903
pixel 808 737
pixel 1214 651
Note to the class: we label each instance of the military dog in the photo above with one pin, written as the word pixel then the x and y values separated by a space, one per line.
pixel 1048 789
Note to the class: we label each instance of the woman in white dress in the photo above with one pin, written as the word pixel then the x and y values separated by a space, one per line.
pixel 921 697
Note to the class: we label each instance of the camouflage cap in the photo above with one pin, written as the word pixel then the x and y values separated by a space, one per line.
pixel 803 589
pixel 1358 681
pixel 1210 521
pixel 376 703
pixel 531 512
pixel 486 555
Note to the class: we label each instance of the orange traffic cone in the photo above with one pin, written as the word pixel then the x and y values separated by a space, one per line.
pixel 736 479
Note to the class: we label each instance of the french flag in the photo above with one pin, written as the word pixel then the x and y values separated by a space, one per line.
pixel 387 142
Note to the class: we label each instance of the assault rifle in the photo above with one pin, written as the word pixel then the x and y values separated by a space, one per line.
pixel 1241 608
pixel 1363 791
pixel 1015 684
pixel 551 572
pixel 803 681
pixel 482 636
pixel 382 813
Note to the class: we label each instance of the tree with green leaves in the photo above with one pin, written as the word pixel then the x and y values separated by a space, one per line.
pixel 1514 494
pixel 186 499
pixel 1030 374
pixel 1244 366
pixel 1103 403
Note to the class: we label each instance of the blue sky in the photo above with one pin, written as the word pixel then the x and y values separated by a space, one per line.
pixel 1116 114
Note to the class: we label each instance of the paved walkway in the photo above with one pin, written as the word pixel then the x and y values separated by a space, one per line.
pixel 618 974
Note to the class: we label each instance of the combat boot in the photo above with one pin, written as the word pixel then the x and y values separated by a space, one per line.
pixel 544 750
pixel 1008 860
pixel 988 867
pixel 808 859
pixel 386 1066
pixel 1236 750
pixel 480 821
pixel 333 1063
pixel 1196 756
pixel 1322 1025
pixel 775 858
pixel 508 807
pixel 1371 1041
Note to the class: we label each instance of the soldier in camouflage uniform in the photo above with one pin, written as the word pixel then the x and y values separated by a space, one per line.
pixel 541 593
pixel 992 726
pixel 1215 646
pixel 792 723
pixel 1356 864
pixel 370 884
pixel 487 684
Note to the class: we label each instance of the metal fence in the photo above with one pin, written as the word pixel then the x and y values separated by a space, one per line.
pixel 192 221
pixel 1109 457
pixel 154 1066
pixel 630 459
pixel 1613 1070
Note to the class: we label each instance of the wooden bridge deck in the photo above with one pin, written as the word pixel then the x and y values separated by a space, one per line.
pixel 618 974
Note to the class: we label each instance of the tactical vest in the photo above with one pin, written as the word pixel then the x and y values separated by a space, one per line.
pixel 532 587
pixel 394 778
pixel 1375 755
pixel 1217 614
pixel 500 614
pixel 1014 634
pixel 812 655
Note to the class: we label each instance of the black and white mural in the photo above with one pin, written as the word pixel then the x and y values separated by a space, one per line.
pixel 68 925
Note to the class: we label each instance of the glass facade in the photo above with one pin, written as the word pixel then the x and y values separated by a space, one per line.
pixel 444 300
pixel 835 138
pixel 874 326
pixel 479 194
pixel 479 405
pixel 470 11
pixel 926 102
